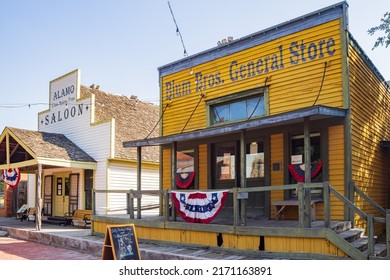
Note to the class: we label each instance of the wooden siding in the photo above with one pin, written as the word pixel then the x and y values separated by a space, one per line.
pixel 277 177
pixel 166 168
pixel 233 241
pixel 80 131
pixel 299 244
pixel 370 119
pixel 203 167
pixel 336 169
pixel 124 177
pixel 291 86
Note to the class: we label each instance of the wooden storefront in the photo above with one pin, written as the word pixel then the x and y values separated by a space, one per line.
pixel 252 115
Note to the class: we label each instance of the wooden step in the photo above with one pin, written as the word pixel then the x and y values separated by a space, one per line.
pixel 341 226
pixel 380 250
pixel 351 234
pixel 361 244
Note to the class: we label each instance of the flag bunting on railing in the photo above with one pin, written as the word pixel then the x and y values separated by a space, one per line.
pixel 184 180
pixel 298 171
pixel 199 207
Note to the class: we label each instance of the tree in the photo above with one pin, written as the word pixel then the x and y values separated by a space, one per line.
pixel 385 27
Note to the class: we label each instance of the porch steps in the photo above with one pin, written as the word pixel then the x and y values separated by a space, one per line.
pixel 356 238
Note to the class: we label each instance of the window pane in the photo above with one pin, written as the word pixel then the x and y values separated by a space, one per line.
pixel 254 160
pixel 238 110
pixel 220 114
pixel 256 107
pixel 225 163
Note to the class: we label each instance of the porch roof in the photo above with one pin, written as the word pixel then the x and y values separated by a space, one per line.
pixel 315 112
pixel 23 148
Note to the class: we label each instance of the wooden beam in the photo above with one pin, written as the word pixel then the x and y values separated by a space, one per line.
pixel 307 192
pixel 7 149
pixel 38 201
pixel 243 201
pixel 173 174
pixel 139 168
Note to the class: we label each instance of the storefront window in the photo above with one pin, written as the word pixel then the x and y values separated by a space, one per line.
pixel 254 160
pixel 226 162
pixel 59 186
pixel 185 169
pixel 298 160
pixel 1 193
pixel 237 110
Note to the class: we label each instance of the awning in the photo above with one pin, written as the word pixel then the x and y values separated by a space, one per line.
pixel 315 113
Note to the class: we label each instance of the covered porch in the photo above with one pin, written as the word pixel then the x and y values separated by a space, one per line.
pixel 41 155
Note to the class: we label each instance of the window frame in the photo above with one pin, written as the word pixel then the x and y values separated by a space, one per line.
pixel 236 97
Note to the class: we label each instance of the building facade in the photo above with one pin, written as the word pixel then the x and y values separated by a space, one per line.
pixel 252 115
pixel 79 147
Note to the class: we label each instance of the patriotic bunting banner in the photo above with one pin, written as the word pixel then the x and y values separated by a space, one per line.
pixel 298 172
pixel 11 177
pixel 199 207
pixel 184 180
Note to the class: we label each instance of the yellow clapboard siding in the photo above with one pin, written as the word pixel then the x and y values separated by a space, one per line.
pixel 308 245
pixel 166 168
pixel 369 127
pixel 290 87
pixel 336 168
pixel 277 177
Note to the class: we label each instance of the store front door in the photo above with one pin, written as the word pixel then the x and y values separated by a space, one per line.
pixel 61 194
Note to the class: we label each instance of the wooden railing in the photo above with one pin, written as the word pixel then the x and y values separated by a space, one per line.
pixel 370 219
pixel 304 206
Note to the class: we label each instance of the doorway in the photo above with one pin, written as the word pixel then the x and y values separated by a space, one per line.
pixel 61 194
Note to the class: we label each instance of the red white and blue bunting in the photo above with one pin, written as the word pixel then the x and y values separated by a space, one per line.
pixel 184 180
pixel 199 207
pixel 298 172
pixel 11 177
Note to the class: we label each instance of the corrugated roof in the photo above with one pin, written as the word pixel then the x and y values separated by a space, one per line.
pixel 134 120
pixel 51 145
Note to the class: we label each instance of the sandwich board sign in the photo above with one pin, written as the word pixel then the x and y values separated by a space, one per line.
pixel 120 243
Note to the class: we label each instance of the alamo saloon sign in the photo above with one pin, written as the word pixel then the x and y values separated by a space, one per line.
pixel 63 100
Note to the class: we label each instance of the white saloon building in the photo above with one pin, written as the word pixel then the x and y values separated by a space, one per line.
pixel 79 146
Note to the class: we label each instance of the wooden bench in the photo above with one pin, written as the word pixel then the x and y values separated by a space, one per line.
pixel 27 215
pixel 78 215
pixel 22 212
pixel 281 206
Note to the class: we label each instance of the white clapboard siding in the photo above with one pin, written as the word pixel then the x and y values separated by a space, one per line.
pixel 94 139
pixel 31 190
pixel 124 177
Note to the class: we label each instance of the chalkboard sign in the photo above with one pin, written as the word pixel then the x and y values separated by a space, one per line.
pixel 120 243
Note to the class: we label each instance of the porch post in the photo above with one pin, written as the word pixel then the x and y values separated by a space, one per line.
pixel 243 196
pixel 38 200
pixel 307 191
pixel 388 232
pixel 173 174
pixel 139 167
pixel 326 192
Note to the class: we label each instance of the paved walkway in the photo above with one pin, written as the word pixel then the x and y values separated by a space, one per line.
pixel 16 249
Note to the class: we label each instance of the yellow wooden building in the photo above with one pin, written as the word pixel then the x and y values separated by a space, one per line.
pixel 249 116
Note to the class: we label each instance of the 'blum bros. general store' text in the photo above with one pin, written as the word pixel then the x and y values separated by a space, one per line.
pixel 299 52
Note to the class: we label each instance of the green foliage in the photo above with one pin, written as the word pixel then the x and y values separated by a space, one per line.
pixel 383 27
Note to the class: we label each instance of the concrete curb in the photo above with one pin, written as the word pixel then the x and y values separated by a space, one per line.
pixel 85 246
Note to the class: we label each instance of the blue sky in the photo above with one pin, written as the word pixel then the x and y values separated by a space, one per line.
pixel 120 44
